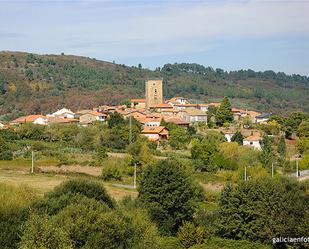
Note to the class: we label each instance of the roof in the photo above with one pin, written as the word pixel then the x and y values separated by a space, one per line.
pixel 195 112
pixel 153 129
pixel 63 111
pixel 94 113
pixel 163 105
pixel 30 118
pixel 57 120
pixel 253 138
pixel 175 99
pixel 176 120
pixel 138 100
pixel 238 110
pixel 264 115
pixel 144 120
pixel 187 105
pixel 216 104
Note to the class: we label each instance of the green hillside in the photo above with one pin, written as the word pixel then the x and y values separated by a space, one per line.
pixel 40 83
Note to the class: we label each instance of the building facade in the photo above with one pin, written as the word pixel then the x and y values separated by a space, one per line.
pixel 154 92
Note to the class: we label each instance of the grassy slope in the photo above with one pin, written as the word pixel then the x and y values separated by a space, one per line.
pixel 80 82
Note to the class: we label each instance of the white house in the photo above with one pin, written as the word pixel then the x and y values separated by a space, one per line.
pixel 229 136
pixel 262 118
pixel 177 100
pixel 41 121
pixel 253 141
pixel 63 113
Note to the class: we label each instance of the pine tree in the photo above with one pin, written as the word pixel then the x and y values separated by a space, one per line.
pixel 224 113
pixel 238 137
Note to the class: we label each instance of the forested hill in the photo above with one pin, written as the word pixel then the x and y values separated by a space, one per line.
pixel 32 83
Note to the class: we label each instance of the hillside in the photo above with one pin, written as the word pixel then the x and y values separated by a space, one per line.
pixel 42 83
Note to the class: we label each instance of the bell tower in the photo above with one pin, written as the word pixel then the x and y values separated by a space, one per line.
pixel 154 92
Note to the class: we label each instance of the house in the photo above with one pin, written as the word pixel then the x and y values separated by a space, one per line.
pixel 63 113
pixel 177 121
pixel 162 107
pixel 169 112
pixel 186 106
pixel 156 133
pixel 253 141
pixel 238 113
pixel 203 107
pixel 193 115
pixel 57 120
pixel 36 119
pixel 91 117
pixel 150 121
pixel 177 100
pixel 262 118
pixel 228 136
pixel 138 103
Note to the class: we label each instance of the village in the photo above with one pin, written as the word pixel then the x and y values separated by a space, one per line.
pixel 152 110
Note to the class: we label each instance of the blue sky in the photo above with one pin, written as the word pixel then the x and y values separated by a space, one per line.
pixel 232 35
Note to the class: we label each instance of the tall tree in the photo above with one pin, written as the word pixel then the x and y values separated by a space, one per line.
pixel 282 147
pixel 169 194
pixel 224 113
pixel 267 155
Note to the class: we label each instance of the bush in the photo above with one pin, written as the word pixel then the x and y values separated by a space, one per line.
pixel 41 232
pixel 189 235
pixel 13 204
pixel 88 188
pixel 110 173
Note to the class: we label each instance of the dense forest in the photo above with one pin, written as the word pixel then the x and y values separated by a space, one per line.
pixel 31 83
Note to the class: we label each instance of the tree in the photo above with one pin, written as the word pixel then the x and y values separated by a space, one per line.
pixel 282 147
pixel 224 113
pixel 40 232
pixel 169 194
pixel 238 137
pixel 190 235
pixel 29 74
pixel 5 152
pixel 303 129
pixel 288 132
pixel 116 119
pixel 2 84
pixel 179 138
pixel 267 155
pixel 263 209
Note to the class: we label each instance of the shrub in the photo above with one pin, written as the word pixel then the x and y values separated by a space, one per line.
pixel 41 232
pixel 13 204
pixel 189 235
pixel 88 188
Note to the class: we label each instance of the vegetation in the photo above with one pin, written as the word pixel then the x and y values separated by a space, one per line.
pixel 41 83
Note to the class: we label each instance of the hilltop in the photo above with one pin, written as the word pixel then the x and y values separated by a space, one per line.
pixel 31 83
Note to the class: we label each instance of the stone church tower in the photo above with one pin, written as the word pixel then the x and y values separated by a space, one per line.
pixel 154 92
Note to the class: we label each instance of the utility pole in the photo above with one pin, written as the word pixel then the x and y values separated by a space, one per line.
pixel 245 173
pixel 297 167
pixel 272 170
pixel 32 162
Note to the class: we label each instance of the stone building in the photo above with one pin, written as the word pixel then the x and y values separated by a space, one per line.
pixel 154 92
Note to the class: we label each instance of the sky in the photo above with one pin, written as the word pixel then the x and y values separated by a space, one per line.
pixel 256 34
